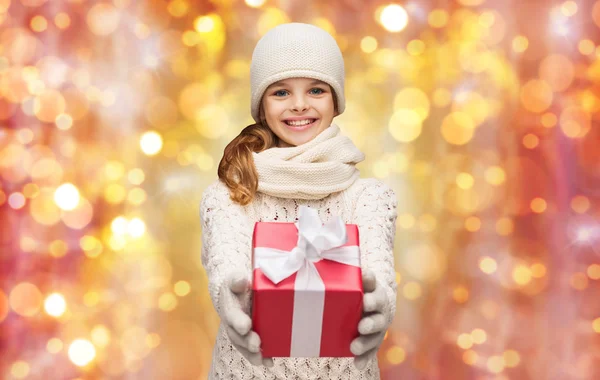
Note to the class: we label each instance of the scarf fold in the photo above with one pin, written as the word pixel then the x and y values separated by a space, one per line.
pixel 324 165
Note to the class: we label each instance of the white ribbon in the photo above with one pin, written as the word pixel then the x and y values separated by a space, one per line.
pixel 315 243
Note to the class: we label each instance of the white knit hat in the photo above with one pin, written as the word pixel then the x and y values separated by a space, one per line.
pixel 296 50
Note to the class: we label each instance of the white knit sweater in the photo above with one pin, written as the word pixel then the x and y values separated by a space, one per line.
pixel 227 245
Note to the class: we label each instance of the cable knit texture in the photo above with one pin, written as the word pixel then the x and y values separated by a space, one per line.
pixel 227 231
pixel 324 165
pixel 296 50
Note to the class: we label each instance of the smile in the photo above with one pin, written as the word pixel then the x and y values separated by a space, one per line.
pixel 300 125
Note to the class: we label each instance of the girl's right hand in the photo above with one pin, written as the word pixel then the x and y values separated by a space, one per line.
pixel 239 324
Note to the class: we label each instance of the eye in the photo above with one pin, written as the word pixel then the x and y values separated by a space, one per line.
pixel 278 92
pixel 319 90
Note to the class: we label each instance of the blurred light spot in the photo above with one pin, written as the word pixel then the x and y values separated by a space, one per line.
pixel 395 355
pixel 103 19
pixel 586 47
pixel 161 112
pixel 54 346
pixel 472 224
pixel 511 358
pixel 469 357
pixel 520 44
pixel 137 196
pixel 64 121
pixel 530 141
pixel 62 20
pixel 25 299
pixel 405 125
pixel 119 225
pixel 16 201
pixel 465 180
pixel 368 44
pixel 153 340
pixel 406 221
pixel 557 71
pixel 255 3
pixel 488 265
pixel 579 281
pixel 204 24
pixel 209 116
pixel 398 278
pixel 151 143
pixel 596 13
pixel 575 122
pixel 393 17
pixel 538 270
pixel 55 305
pixel 81 352
pixel 114 193
pixel 471 3
pixel 136 227
pixel 178 8
pixel 442 97
pixel 472 104
pixel 495 364
pixel 4 306
pixel 66 196
pixel 596 325
pixel 538 205
pixel 20 369
pixel 48 105
pixel 167 302
pixel 460 294
pixel 580 204
pixel 464 341
pixel 426 263
pixel 58 248
pixel 521 275
pixel 549 120
pixel 412 290
pixel 593 271
pixel 479 336
pixel 182 288
pixel 91 299
pixel 495 175
pixel 415 47
pixel 413 100
pixel 28 244
pixel 141 30
pixel 24 135
pixel 136 176
pixel 39 23
pixel 536 95
pixel 568 8
pixel 4 5
pixel 438 18
pixel 31 190
pixel 100 336
pixel 457 128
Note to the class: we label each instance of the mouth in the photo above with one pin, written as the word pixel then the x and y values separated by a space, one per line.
pixel 300 125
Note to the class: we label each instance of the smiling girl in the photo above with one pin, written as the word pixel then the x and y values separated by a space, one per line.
pixel 294 156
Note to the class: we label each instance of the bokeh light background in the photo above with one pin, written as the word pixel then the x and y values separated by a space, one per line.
pixel 482 115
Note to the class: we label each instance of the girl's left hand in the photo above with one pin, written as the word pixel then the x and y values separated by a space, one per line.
pixel 372 326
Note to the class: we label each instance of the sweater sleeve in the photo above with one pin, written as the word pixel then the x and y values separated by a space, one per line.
pixel 375 215
pixel 226 239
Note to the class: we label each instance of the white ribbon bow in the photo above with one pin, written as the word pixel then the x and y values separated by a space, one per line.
pixel 315 242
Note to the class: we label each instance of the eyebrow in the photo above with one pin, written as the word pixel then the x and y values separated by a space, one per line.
pixel 282 83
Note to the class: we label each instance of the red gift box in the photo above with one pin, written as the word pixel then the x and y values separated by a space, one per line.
pixel 318 315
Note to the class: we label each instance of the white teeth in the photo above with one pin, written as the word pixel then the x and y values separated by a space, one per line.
pixel 299 122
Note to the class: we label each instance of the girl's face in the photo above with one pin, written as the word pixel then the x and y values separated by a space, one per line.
pixel 298 109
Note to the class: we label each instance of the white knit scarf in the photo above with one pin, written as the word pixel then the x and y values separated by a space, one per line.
pixel 324 165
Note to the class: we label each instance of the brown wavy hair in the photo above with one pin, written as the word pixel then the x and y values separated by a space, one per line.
pixel 237 169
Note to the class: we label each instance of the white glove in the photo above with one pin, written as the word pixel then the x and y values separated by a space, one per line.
pixel 372 326
pixel 239 324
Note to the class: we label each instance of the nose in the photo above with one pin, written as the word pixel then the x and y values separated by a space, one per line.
pixel 300 104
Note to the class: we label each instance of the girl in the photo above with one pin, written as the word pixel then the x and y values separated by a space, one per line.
pixel 294 156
